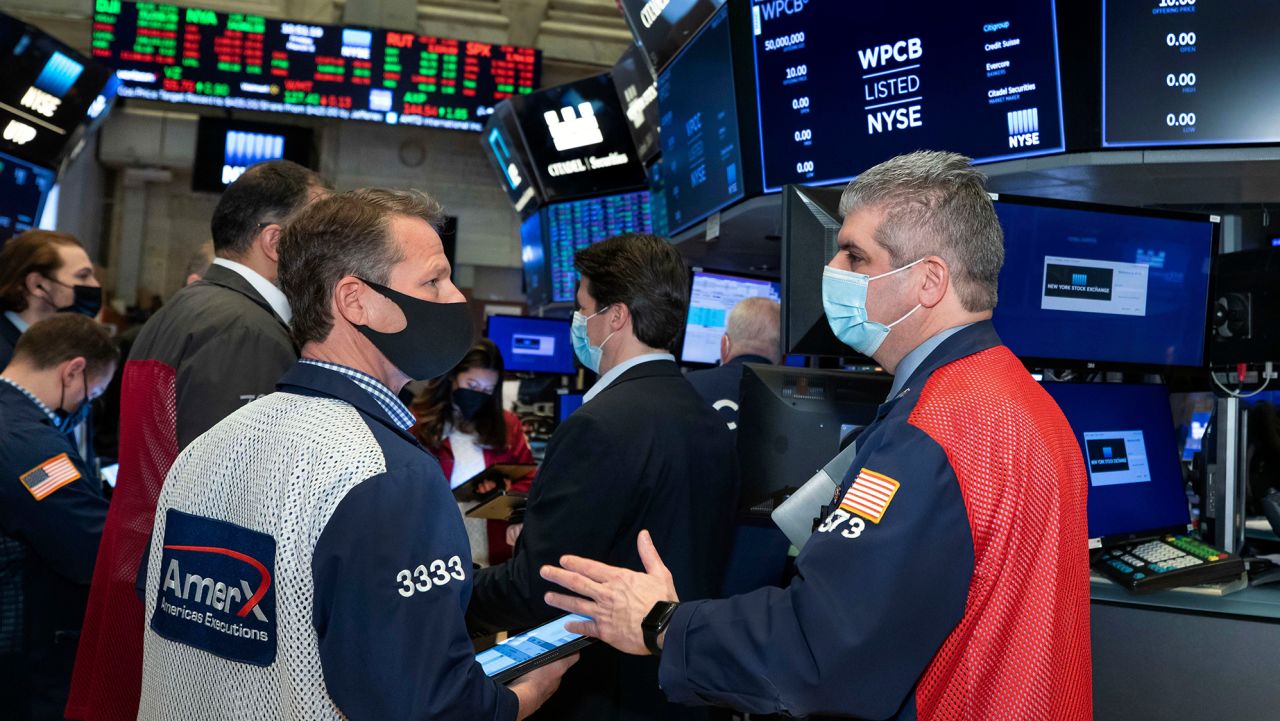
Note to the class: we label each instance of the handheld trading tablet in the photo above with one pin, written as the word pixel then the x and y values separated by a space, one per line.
pixel 521 654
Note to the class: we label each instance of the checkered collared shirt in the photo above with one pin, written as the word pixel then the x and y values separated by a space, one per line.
pixel 394 408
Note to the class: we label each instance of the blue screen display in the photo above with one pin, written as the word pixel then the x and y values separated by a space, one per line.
pixel 535 345
pixel 23 189
pixel 570 227
pixel 701 149
pixel 841 86
pixel 1088 285
pixel 533 258
pixel 569 402
pixel 1130 452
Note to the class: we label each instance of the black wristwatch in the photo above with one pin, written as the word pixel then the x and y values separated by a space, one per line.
pixel 655 623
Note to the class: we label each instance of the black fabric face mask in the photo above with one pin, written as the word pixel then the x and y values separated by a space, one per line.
pixel 470 402
pixel 435 338
pixel 87 300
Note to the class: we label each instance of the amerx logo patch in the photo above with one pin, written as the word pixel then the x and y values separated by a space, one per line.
pixel 215 589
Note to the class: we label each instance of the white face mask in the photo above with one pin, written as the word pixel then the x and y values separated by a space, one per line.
pixel 844 298
pixel 589 355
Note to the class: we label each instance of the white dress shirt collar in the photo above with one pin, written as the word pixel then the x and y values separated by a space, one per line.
pixel 621 368
pixel 268 290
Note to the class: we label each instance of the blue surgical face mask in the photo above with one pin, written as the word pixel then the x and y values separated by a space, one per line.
pixel 844 298
pixel 589 355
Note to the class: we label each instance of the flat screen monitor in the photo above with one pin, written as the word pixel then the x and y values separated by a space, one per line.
pixel 504 146
pixel 533 260
pixel 1102 286
pixel 841 86
pixel 569 227
pixel 638 92
pixel 532 345
pixel 711 297
pixel 810 223
pixel 226 148
pixel 662 27
pixel 578 141
pixel 1130 452
pixel 792 421
pixel 250 62
pixel 48 93
pixel 701 145
pixel 1178 72
pixel 23 190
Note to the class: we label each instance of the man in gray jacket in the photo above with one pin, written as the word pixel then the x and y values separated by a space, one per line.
pixel 219 344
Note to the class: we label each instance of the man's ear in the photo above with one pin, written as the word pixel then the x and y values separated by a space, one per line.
pixel 71 370
pixel 268 241
pixel 937 280
pixel 349 300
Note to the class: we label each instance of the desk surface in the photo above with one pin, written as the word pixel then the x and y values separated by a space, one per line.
pixel 1261 604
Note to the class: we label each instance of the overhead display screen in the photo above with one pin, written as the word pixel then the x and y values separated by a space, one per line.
pixel 23 189
pixel 505 148
pixel 227 148
pixel 249 62
pixel 1181 72
pixel 578 141
pixel 662 27
pixel 47 93
pixel 638 92
pixel 842 86
pixel 701 149
pixel 570 227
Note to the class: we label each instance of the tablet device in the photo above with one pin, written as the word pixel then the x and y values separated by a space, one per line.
pixel 501 506
pixel 507 473
pixel 521 654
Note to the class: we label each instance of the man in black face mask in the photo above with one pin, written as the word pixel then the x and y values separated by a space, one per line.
pixel 51 510
pixel 344 565
pixel 43 272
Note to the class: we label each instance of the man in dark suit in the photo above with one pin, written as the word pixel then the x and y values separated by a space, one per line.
pixel 217 345
pixel 643 452
pixel 750 336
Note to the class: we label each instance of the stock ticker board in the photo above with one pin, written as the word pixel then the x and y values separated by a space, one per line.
pixel 248 62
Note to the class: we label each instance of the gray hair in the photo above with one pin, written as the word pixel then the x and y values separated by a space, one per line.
pixel 340 235
pixel 753 327
pixel 935 203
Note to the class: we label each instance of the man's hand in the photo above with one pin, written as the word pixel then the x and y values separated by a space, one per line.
pixel 617 600
pixel 513 532
pixel 534 688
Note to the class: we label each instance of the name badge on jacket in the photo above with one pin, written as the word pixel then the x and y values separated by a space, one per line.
pixel 216 589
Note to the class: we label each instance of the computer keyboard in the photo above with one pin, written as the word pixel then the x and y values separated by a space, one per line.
pixel 1167 562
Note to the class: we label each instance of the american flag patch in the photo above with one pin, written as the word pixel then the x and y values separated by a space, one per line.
pixel 49 476
pixel 870 494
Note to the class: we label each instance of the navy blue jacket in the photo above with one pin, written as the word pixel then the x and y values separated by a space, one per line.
pixel 47 552
pixel 914 598
pixel 9 334
pixel 722 386
pixel 367 558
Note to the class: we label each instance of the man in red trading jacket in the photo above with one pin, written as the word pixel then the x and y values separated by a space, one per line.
pixel 949 577
pixel 219 344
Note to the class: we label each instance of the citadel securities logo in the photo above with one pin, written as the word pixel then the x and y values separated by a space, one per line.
pixel 215 590
pixel 572 129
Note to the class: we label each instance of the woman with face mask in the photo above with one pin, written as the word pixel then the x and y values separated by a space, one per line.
pixel 461 420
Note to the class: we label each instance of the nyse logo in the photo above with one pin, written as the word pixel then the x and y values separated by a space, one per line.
pixel 40 101
pixel 58 75
pixel 570 130
pixel 1024 128
pixel 19 133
